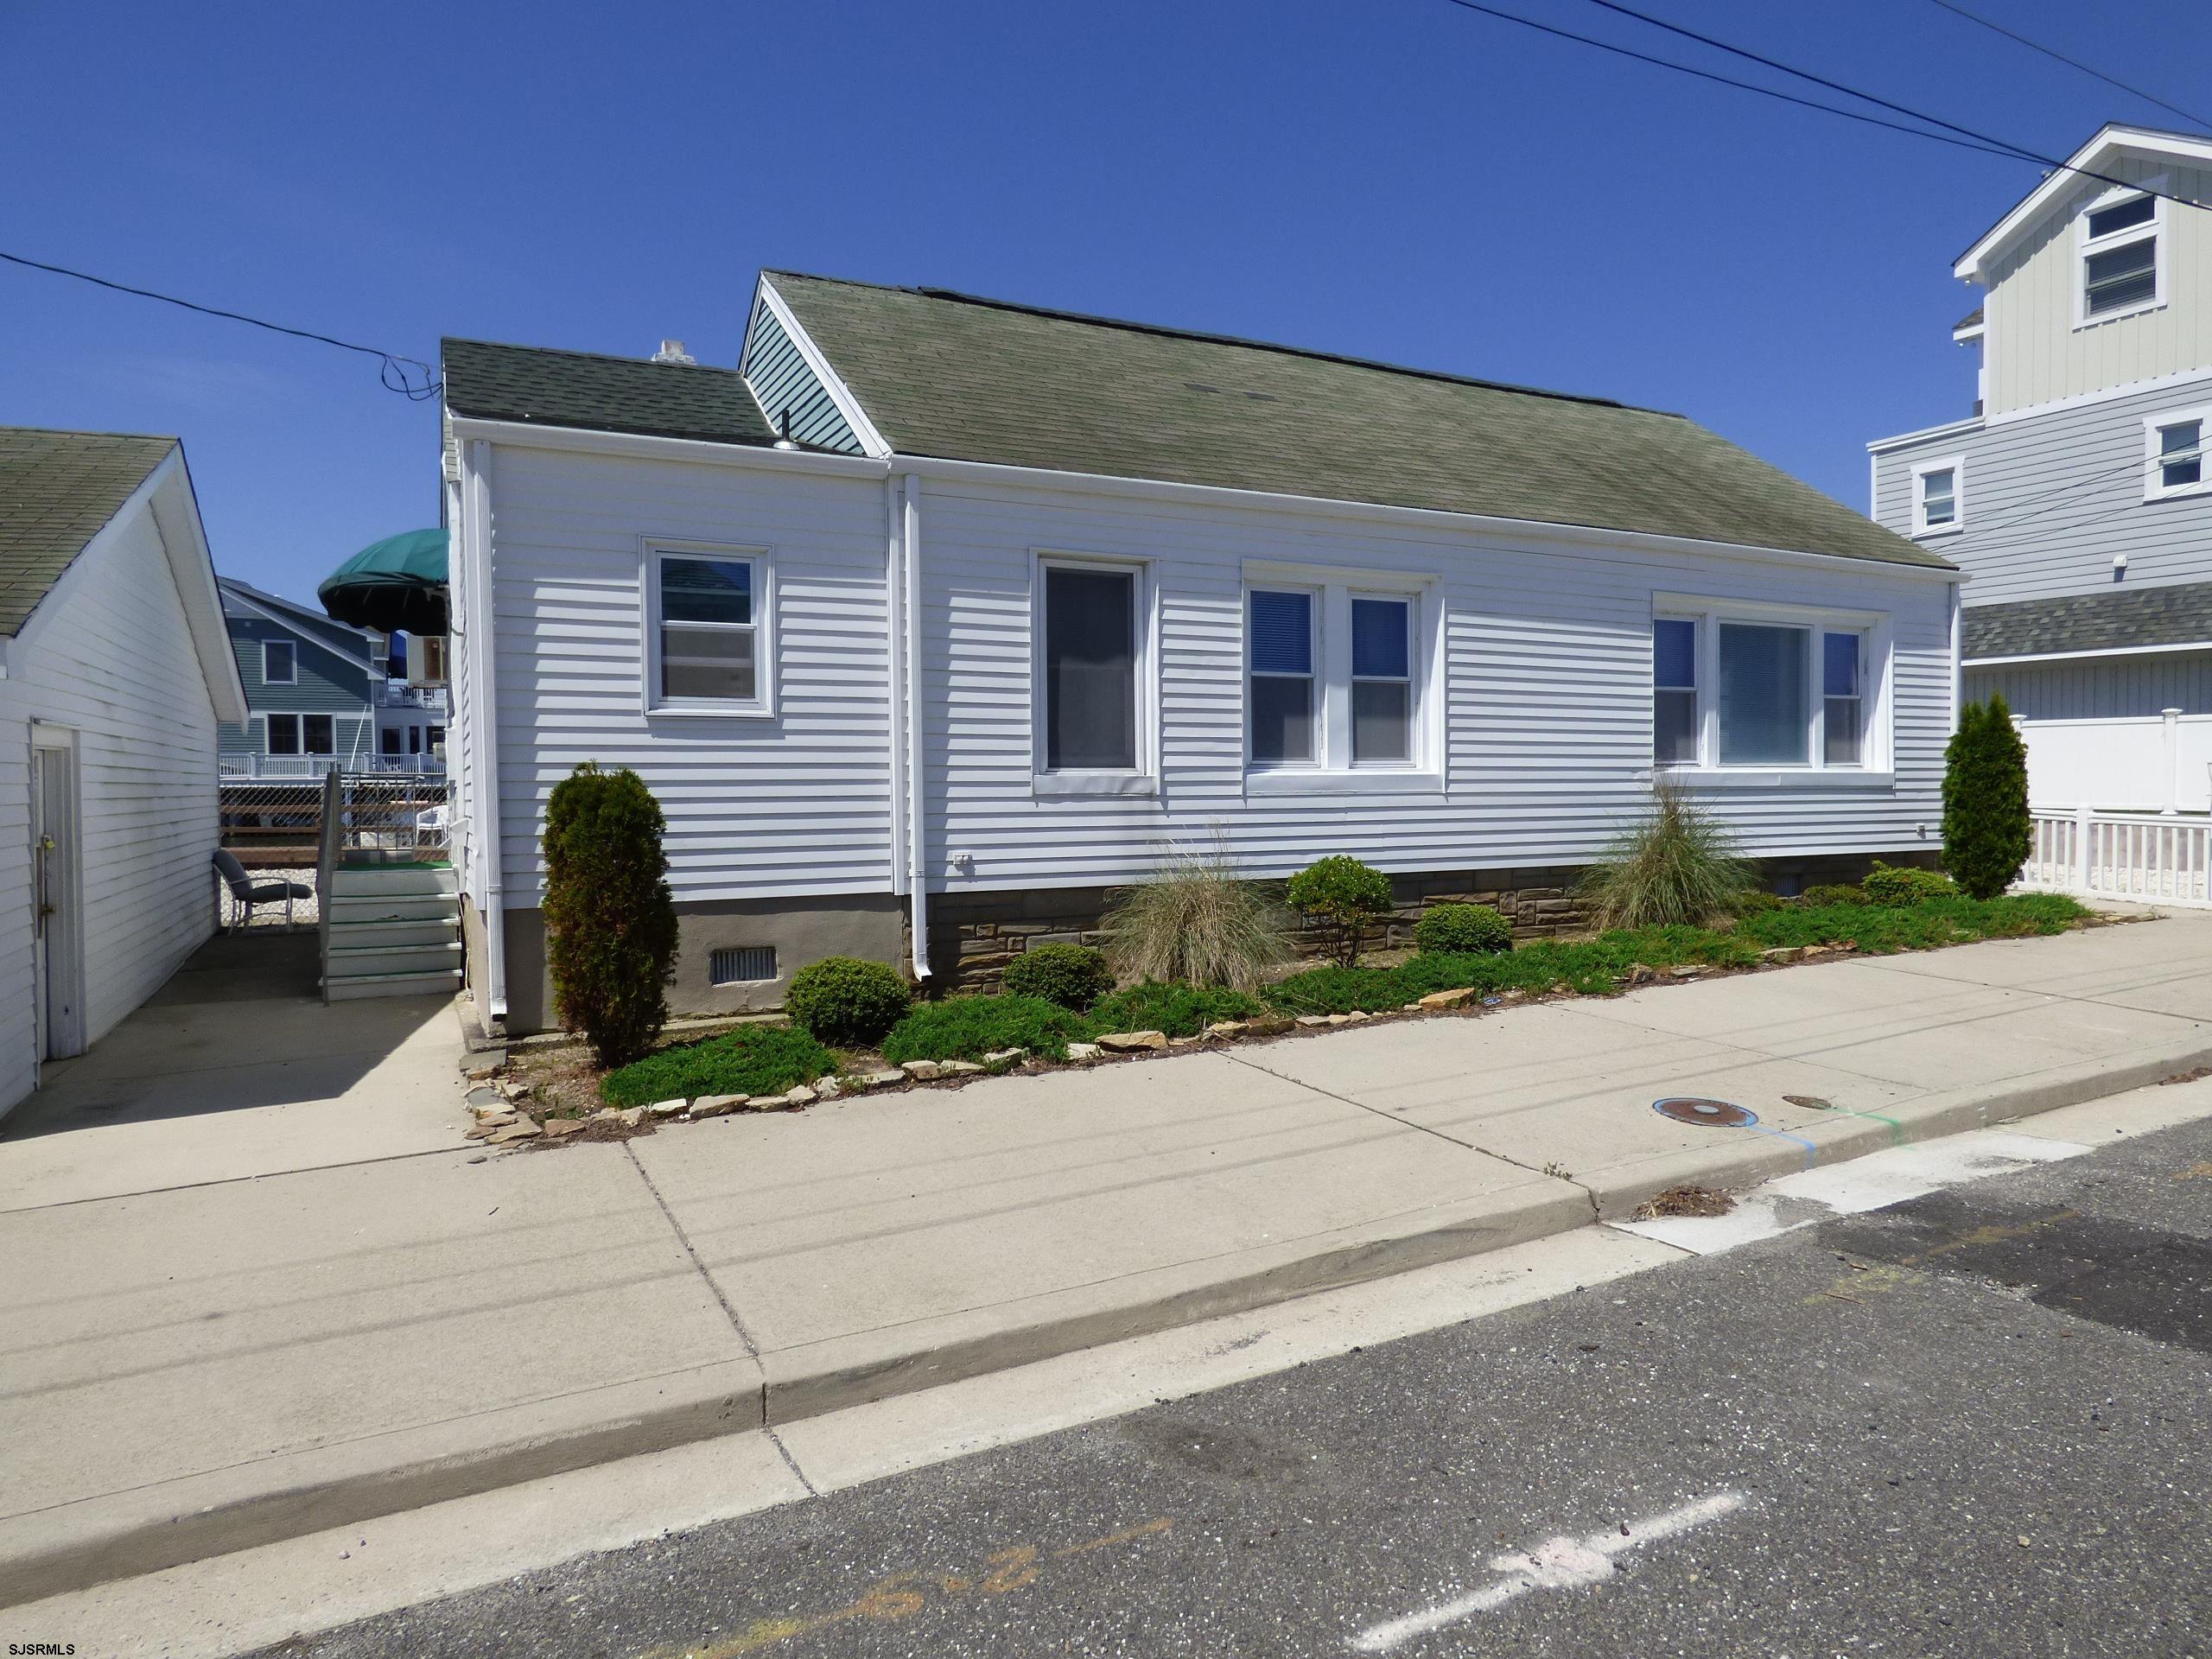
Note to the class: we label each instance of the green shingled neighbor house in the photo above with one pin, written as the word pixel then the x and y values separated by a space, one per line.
pixel 931 618
pixel 114 670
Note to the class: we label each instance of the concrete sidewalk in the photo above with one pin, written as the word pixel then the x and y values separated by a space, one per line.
pixel 193 1370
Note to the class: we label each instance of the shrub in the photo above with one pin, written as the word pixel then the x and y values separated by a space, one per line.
pixel 1986 831
pixel 1344 895
pixel 1073 976
pixel 1462 930
pixel 1886 884
pixel 1680 867
pixel 1197 922
pixel 1826 893
pixel 1179 1010
pixel 968 1028
pixel 756 1060
pixel 1756 900
pixel 610 923
pixel 845 1000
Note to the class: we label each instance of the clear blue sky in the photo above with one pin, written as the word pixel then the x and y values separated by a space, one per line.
pixel 1397 179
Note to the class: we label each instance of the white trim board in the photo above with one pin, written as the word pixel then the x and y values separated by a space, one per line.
pixel 2110 142
pixel 871 441
pixel 2086 656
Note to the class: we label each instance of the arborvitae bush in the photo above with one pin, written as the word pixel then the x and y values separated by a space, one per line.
pixel 846 1000
pixel 1986 834
pixel 610 923
pixel 1073 976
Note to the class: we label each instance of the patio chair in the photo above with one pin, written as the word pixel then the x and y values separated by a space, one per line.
pixel 247 893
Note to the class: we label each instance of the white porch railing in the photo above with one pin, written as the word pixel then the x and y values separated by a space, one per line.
pixel 2165 860
pixel 306 767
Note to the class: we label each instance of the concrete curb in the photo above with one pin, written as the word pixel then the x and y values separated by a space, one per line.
pixel 131 1533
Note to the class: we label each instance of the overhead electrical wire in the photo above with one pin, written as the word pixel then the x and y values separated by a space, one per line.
pixel 411 378
pixel 2087 69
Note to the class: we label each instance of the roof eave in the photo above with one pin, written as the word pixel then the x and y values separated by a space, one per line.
pixel 2109 141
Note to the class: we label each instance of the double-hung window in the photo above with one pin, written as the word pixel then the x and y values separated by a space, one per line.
pixel 280 662
pixel 1763 689
pixel 1091 618
pixel 283 735
pixel 1334 672
pixel 1939 496
pixel 2121 258
pixel 707 625
pixel 2173 459
pixel 302 734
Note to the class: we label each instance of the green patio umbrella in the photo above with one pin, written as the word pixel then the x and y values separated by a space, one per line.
pixel 394 586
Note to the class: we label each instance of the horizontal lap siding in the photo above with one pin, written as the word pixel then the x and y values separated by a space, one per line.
pixel 780 380
pixel 798 803
pixel 2102 689
pixel 2051 499
pixel 1548 696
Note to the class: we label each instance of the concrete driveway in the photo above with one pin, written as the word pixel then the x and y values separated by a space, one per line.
pixel 236 1069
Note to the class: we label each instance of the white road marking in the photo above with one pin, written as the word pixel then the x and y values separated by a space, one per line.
pixel 1561 1563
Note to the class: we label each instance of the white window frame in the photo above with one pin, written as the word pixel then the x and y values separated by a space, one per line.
pixel 289 646
pixel 1317 676
pixel 762 704
pixel 2154 486
pixel 1876 766
pixel 2085 245
pixel 1143 779
pixel 1955 464
pixel 1333 772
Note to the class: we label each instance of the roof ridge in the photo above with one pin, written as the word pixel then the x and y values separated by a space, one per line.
pixel 86 432
pixel 565 351
pixel 1168 332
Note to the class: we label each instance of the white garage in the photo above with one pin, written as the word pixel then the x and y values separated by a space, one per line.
pixel 115 669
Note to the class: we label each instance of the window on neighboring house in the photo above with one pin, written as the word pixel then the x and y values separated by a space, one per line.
pixel 388 740
pixel 1090 668
pixel 1937 487
pixel 318 735
pixel 2174 453
pixel 706 651
pixel 2119 257
pixel 283 733
pixel 434 738
pixel 1381 681
pixel 279 663
pixel 429 653
pixel 1280 700
pixel 414 740
pixel 1674 691
pixel 1777 692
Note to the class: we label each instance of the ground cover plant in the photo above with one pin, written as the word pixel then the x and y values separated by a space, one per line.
pixel 968 1028
pixel 1178 1010
pixel 752 1060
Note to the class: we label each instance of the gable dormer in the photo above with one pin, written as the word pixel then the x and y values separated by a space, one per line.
pixel 2100 277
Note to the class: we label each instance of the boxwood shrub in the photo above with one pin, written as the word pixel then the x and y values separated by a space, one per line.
pixel 844 1000
pixel 1885 884
pixel 1462 930
pixel 1073 976
pixel 755 1060
pixel 968 1028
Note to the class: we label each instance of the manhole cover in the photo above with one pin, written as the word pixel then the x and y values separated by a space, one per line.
pixel 1713 1114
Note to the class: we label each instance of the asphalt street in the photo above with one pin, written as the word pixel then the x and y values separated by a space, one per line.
pixel 1975 1423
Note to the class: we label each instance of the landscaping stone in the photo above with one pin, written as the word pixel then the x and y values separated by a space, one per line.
pixel 1003 1056
pixel 716 1105
pixel 1313 1019
pixel 1357 1015
pixel 1783 953
pixel 1272 1025
pixel 1133 1042
pixel 484 1100
pixel 828 1088
pixel 667 1108
pixel 883 1079
pixel 627 1116
pixel 1083 1050
pixel 958 1069
pixel 920 1071
pixel 524 1130
pixel 1686 970
pixel 1450 998
pixel 1638 974
pixel 1228 1028
pixel 558 1126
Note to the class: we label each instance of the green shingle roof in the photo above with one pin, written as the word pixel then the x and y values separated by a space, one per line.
pixel 2180 614
pixel 604 394
pixel 57 491
pixel 949 375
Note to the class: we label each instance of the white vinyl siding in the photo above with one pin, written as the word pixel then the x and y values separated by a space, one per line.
pixel 762 808
pixel 114 662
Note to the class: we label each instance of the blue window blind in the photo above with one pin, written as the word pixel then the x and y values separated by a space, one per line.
pixel 1282 633
pixel 1378 638
pixel 1674 652
pixel 1840 666
pixel 706 590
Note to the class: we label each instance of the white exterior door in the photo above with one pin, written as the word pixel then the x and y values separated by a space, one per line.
pixel 56 894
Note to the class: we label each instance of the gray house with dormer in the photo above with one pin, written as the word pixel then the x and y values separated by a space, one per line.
pixel 321 693
pixel 2078 495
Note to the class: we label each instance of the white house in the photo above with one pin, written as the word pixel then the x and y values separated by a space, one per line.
pixel 115 668
pixel 1018 599
pixel 2078 495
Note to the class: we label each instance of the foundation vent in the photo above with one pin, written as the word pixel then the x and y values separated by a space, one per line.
pixel 742 964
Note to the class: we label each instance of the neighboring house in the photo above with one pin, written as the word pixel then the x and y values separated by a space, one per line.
pixel 1025 599
pixel 114 672
pixel 2078 496
pixel 321 693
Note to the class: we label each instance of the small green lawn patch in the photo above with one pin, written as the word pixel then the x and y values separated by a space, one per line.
pixel 757 1060
pixel 1179 1010
pixel 968 1028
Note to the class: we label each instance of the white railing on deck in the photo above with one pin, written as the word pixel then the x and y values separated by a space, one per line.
pixel 2157 860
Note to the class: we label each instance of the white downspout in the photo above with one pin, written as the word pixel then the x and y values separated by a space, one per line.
pixel 1958 666
pixel 895 616
pixel 917 782
pixel 483 663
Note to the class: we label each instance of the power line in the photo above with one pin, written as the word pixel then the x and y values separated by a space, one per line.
pixel 2020 151
pixel 396 371
pixel 2004 153
pixel 2050 52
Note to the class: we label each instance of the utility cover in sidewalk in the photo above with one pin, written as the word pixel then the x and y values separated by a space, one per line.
pixel 1713 1114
